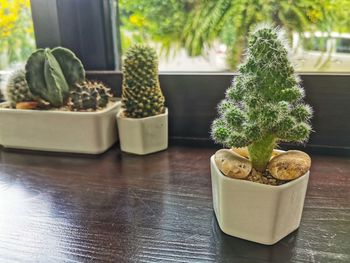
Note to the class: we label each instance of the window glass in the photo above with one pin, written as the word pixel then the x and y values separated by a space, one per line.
pixel 343 44
pixel 315 44
pixel 16 34
pixel 211 35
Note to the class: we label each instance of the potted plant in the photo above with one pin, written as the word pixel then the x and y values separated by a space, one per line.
pixel 258 192
pixel 52 107
pixel 143 119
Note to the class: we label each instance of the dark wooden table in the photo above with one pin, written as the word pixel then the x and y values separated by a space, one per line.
pixel 156 208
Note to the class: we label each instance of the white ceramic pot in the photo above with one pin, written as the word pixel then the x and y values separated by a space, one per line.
pixel 257 212
pixel 59 131
pixel 143 135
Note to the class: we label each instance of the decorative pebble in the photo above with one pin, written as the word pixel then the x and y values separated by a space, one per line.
pixel 232 164
pixel 28 105
pixel 243 151
pixel 289 165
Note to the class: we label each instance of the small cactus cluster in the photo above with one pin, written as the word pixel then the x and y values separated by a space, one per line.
pixel 142 96
pixel 55 78
pixel 17 89
pixel 89 95
pixel 264 105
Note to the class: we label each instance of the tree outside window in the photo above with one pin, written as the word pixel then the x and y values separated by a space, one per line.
pixel 199 26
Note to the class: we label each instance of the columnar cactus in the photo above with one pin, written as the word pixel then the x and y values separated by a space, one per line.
pixel 51 73
pixel 142 96
pixel 89 95
pixel 264 104
pixel 17 89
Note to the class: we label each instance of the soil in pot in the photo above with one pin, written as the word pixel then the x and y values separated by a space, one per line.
pixel 33 105
pixel 264 178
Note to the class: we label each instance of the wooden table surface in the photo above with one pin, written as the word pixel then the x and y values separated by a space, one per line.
pixel 157 208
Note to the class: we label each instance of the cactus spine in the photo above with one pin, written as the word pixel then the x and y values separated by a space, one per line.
pixel 142 96
pixel 264 104
pixel 89 95
pixel 51 73
pixel 17 89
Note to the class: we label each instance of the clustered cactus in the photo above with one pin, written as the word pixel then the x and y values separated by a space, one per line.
pixel 142 96
pixel 51 73
pixel 17 89
pixel 264 105
pixel 89 95
pixel 56 78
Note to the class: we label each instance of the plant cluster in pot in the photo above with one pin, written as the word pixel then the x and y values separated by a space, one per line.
pixel 143 118
pixel 52 107
pixel 259 192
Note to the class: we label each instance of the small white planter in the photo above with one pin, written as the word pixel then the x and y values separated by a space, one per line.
pixel 59 131
pixel 143 135
pixel 257 212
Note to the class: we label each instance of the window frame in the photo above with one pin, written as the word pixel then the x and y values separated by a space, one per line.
pixel 89 28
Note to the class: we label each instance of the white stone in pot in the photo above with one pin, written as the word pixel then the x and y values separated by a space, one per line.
pixel 232 164
pixel 289 165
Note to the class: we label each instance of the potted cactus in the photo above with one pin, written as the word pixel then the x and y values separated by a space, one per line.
pixel 258 192
pixel 143 119
pixel 50 106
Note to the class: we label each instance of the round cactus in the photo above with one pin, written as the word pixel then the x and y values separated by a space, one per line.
pixel 264 104
pixel 89 95
pixel 142 96
pixel 51 74
pixel 17 89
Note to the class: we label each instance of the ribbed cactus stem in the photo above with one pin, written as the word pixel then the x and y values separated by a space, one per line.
pixel 260 152
pixel 50 74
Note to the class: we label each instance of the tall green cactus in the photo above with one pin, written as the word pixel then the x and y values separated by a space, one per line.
pixel 51 73
pixel 142 96
pixel 264 104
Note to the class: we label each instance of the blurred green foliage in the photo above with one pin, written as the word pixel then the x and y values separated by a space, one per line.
pixel 192 24
pixel 197 24
pixel 152 20
pixel 16 32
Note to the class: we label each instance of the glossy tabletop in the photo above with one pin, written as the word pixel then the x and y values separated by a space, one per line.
pixel 118 207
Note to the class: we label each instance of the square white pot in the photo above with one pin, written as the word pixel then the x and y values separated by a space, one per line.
pixel 257 212
pixel 143 135
pixel 59 131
